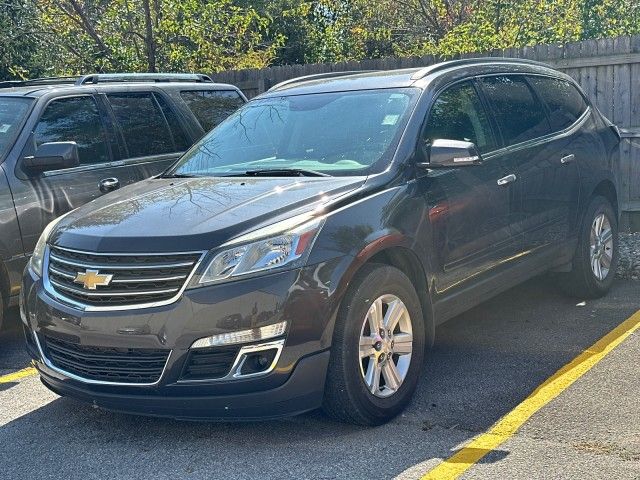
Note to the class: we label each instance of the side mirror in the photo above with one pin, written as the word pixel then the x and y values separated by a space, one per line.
pixel 451 153
pixel 53 156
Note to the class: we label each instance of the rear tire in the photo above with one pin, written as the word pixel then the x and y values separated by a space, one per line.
pixel 369 384
pixel 596 258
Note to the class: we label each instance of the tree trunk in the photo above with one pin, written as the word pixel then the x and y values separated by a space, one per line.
pixel 149 40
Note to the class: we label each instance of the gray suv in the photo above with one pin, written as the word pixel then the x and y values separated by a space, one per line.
pixel 66 141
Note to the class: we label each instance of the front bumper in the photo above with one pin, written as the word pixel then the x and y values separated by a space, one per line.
pixel 300 297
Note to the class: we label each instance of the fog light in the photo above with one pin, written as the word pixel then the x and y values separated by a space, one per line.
pixel 258 362
pixel 242 336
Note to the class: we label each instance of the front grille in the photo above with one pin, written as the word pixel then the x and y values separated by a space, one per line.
pixel 109 364
pixel 136 279
pixel 209 363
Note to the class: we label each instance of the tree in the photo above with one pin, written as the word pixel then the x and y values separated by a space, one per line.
pixel 19 50
pixel 153 35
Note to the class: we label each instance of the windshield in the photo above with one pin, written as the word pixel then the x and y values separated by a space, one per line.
pixel 12 113
pixel 344 133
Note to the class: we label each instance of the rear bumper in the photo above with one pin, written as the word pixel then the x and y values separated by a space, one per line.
pixel 302 392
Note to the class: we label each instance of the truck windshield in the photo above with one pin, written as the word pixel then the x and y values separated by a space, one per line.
pixel 12 114
pixel 342 133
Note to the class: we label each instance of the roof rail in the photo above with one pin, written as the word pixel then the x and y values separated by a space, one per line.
pixel 142 77
pixel 423 72
pixel 317 76
pixel 37 82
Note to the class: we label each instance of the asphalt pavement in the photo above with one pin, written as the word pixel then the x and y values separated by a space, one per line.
pixel 484 363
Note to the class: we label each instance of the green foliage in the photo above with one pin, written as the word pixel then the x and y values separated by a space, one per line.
pixel 54 37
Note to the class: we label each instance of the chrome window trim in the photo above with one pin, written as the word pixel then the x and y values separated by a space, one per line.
pixel 78 378
pixel 570 130
pixel 53 293
pixel 236 367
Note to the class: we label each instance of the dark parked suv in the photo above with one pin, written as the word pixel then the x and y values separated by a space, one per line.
pixel 65 141
pixel 303 252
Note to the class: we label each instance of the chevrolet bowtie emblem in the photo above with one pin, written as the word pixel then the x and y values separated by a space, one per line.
pixel 90 279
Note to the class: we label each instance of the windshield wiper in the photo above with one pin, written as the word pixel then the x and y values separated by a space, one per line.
pixel 285 172
pixel 179 175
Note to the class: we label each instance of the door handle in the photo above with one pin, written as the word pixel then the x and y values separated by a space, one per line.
pixel 567 159
pixel 507 180
pixel 109 184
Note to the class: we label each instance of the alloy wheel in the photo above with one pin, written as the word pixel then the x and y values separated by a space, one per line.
pixel 601 246
pixel 386 343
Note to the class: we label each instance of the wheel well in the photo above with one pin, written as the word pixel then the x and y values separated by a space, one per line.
pixel 406 261
pixel 606 189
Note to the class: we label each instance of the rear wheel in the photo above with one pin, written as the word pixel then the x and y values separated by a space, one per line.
pixel 596 257
pixel 378 348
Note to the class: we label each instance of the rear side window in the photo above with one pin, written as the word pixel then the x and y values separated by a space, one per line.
pixel 458 114
pixel 75 119
pixel 518 113
pixel 177 132
pixel 211 107
pixel 563 100
pixel 143 124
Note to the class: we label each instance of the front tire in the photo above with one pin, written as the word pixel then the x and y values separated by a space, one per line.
pixel 378 348
pixel 596 257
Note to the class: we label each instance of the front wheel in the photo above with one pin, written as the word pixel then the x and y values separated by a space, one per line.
pixel 378 348
pixel 596 257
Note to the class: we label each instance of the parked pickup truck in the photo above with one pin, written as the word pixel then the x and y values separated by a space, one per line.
pixel 66 141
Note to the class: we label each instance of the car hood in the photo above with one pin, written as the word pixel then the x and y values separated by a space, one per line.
pixel 175 215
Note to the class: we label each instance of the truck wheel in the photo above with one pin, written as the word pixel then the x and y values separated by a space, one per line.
pixel 378 348
pixel 596 258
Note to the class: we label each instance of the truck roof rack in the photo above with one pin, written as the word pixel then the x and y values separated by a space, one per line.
pixel 423 72
pixel 37 82
pixel 142 77
pixel 95 78
pixel 317 76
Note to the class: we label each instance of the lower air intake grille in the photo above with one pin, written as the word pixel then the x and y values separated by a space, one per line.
pixel 209 363
pixel 124 365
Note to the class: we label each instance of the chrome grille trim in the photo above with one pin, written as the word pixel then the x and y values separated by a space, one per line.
pixel 115 293
pixel 121 266
pixel 64 293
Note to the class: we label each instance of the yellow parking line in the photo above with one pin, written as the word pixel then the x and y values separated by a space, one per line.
pixel 504 428
pixel 12 377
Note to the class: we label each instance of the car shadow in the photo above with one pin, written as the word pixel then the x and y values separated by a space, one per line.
pixel 483 364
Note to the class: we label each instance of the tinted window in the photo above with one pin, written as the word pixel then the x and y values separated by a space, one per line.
pixel 518 113
pixel 74 120
pixel 211 107
pixel 142 123
pixel 177 132
pixel 458 114
pixel 563 100
pixel 12 114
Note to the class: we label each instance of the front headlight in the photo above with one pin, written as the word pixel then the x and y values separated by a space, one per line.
pixel 289 248
pixel 37 257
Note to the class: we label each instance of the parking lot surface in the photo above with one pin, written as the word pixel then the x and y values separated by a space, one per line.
pixel 485 362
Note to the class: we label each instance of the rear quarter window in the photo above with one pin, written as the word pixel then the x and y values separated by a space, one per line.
pixel 564 102
pixel 518 113
pixel 211 107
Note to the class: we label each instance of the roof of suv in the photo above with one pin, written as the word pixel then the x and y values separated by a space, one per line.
pixel 41 86
pixel 419 77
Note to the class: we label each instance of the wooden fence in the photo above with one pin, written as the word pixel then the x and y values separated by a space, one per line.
pixel 608 70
